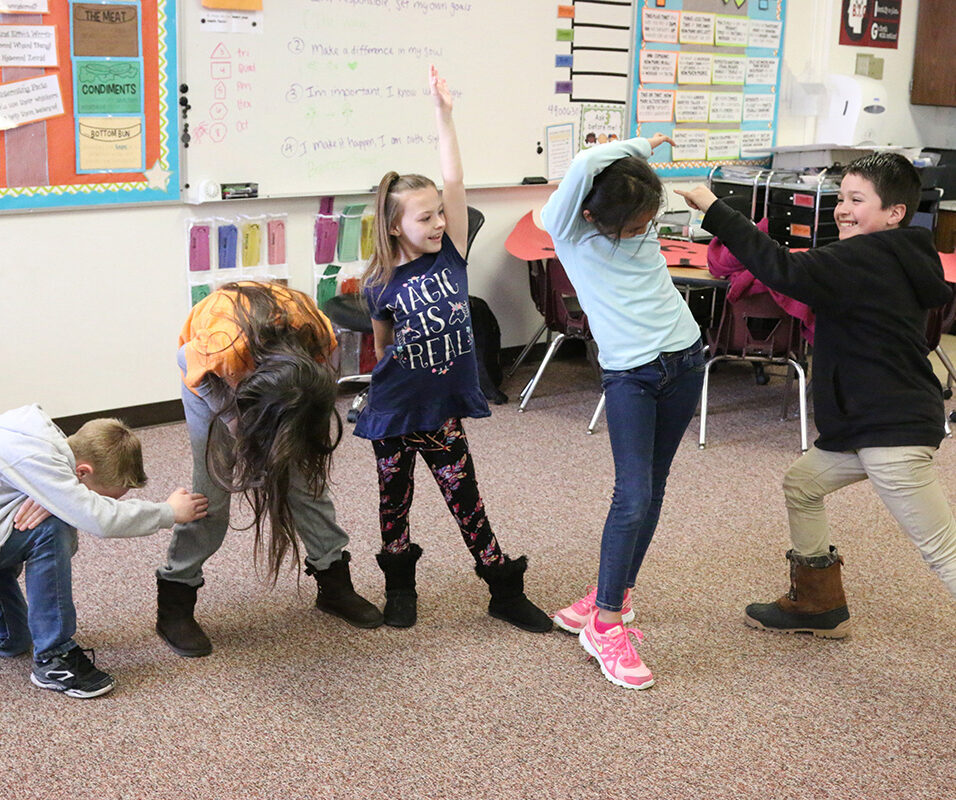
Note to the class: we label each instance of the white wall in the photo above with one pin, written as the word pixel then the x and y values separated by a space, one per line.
pixel 92 301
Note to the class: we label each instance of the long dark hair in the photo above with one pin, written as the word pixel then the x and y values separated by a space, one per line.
pixel 623 190
pixel 286 424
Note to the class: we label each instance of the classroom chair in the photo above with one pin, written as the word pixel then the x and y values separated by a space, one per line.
pixel 350 312
pixel 756 330
pixel 533 245
pixel 563 316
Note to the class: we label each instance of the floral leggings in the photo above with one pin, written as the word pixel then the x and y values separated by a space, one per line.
pixel 447 455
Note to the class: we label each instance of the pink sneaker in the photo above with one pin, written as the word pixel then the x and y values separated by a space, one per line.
pixel 575 616
pixel 613 650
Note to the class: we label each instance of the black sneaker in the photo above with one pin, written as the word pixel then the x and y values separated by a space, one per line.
pixel 73 674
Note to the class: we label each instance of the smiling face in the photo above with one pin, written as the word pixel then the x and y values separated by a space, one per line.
pixel 420 224
pixel 860 209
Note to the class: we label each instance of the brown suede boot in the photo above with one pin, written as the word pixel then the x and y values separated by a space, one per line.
pixel 815 603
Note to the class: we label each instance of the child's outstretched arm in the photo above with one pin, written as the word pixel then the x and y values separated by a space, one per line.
pixel 810 277
pixel 453 180
pixel 186 506
pixel 562 215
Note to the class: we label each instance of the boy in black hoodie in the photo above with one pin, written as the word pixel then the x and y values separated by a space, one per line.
pixel 877 403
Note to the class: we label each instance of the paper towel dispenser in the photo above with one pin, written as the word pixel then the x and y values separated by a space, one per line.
pixel 855 112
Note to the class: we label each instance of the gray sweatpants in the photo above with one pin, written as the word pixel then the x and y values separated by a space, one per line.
pixel 194 542
pixel 904 478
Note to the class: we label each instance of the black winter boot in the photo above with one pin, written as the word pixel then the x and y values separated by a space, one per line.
pixel 337 595
pixel 815 603
pixel 508 601
pixel 401 606
pixel 175 624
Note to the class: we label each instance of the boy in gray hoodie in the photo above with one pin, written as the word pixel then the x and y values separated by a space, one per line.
pixel 50 485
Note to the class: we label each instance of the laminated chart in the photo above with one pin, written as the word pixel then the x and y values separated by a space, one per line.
pixel 85 111
pixel 706 73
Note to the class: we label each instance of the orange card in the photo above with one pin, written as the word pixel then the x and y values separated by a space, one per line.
pixel 234 5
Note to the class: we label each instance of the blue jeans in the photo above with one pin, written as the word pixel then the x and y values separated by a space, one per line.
pixel 648 410
pixel 50 618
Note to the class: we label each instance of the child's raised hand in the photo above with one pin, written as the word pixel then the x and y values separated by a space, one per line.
pixel 187 506
pixel 443 99
pixel 700 197
pixel 658 139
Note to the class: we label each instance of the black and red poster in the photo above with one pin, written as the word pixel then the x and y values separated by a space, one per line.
pixel 871 23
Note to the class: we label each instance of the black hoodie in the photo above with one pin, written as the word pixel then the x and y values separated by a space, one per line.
pixel 873 385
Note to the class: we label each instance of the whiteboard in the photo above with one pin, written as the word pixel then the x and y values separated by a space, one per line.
pixel 325 96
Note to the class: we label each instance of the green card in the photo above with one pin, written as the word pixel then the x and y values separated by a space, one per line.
pixel 350 232
pixel 109 87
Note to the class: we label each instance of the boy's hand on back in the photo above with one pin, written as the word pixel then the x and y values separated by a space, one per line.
pixel 187 506
pixel 700 197
pixel 29 515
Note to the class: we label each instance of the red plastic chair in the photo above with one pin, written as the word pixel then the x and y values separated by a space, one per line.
pixel 534 245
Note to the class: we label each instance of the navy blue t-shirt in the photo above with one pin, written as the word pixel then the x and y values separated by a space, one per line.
pixel 430 373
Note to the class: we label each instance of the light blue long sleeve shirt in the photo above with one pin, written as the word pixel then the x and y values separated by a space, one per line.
pixel 634 310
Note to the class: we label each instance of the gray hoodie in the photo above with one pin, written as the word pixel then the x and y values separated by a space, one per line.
pixel 36 462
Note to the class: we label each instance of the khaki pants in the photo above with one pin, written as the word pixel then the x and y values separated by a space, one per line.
pixel 904 478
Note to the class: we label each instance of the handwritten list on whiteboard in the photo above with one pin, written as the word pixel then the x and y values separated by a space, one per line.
pixel 324 96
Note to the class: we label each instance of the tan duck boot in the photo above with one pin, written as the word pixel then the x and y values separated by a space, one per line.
pixel 815 603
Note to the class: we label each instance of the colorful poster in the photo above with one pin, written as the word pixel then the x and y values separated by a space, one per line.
pixel 600 124
pixel 107 118
pixel 871 23
pixel 721 106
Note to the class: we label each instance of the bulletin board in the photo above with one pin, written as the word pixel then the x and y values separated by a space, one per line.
pixel 707 73
pixel 87 103
pixel 314 97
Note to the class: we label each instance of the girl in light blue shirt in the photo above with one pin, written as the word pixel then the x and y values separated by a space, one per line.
pixel 601 220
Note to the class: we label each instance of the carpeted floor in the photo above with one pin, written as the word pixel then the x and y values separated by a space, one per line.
pixel 295 704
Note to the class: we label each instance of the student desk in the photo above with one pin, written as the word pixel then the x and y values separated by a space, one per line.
pixel 687 264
